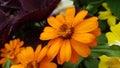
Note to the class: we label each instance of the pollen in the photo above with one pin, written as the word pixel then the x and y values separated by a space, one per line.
pixel 65 31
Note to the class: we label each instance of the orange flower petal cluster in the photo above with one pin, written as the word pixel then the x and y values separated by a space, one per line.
pixel 70 35
pixel 29 58
pixel 11 50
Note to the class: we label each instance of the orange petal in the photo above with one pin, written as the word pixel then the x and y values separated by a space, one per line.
pixel 13 43
pixel 48 65
pixel 49 33
pixel 74 57
pixel 7 46
pixel 84 37
pixel 79 17
pixel 26 55
pixel 37 51
pixel 42 53
pixel 48 36
pixel 17 66
pixel 51 42
pixel 60 18
pixel 87 25
pixel 16 50
pixel 59 59
pixel 62 52
pixel 2 60
pixel 17 42
pixel 48 29
pixel 93 43
pixel 96 32
pixel 21 43
pixel 65 52
pixel 52 52
pixel 54 22
pixel 68 51
pixel 70 13
pixel 82 49
pixel 46 59
pixel 91 19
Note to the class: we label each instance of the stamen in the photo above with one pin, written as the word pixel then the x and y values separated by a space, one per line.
pixel 65 31
pixel 63 28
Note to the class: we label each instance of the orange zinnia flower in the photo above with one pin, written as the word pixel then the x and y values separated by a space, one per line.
pixel 30 59
pixel 70 35
pixel 11 50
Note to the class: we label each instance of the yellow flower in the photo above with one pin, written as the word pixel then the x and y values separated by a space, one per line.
pixel 103 15
pixel 11 50
pixel 114 35
pixel 29 58
pixel 70 36
pixel 109 62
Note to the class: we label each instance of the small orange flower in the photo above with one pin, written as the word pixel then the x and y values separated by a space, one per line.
pixel 70 35
pixel 29 58
pixel 11 50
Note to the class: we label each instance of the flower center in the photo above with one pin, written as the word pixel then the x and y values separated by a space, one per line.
pixel 65 31
pixel 32 65
pixel 113 62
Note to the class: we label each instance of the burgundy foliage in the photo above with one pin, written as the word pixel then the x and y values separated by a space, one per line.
pixel 22 11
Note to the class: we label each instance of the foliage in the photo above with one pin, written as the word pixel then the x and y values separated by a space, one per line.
pixel 7 63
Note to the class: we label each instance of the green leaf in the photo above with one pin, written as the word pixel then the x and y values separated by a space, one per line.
pixel 40 24
pixel 70 65
pixel 91 62
pixel 105 50
pixel 89 1
pixel 104 26
pixel 115 7
pixel 92 6
pixel 102 47
pixel 77 3
pixel 102 40
pixel 7 63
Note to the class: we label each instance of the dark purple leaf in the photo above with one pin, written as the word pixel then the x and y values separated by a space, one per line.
pixel 32 11
pixel 10 3
pixel 10 6
pixel 4 27
pixel 31 5
pixel 3 20
pixel 36 15
pixel 14 4
pixel 3 1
